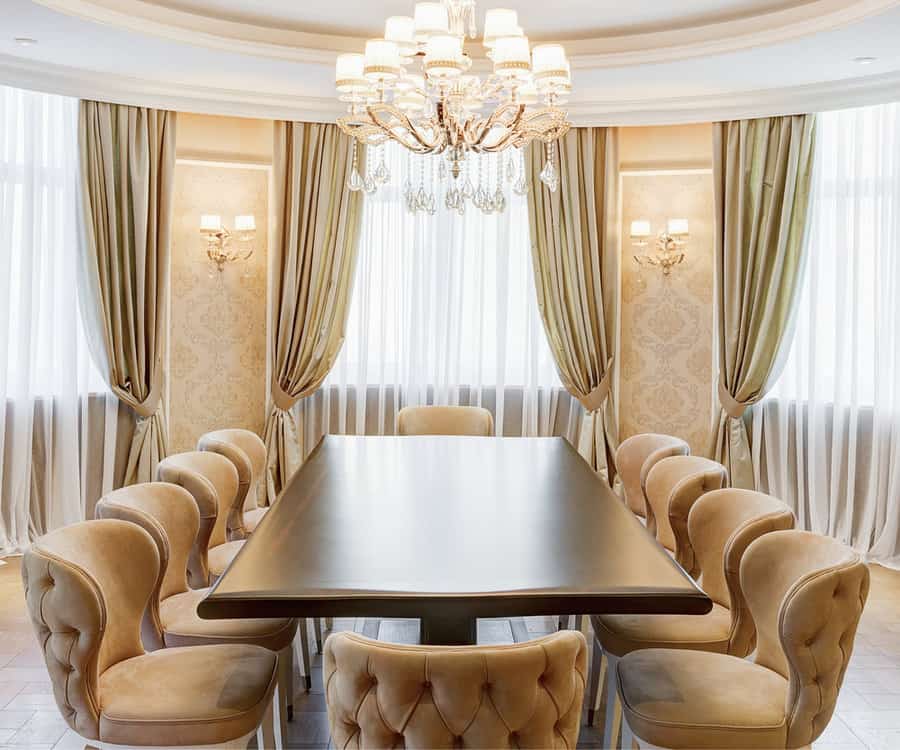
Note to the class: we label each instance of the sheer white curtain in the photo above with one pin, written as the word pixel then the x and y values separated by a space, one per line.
pixel 50 430
pixel 444 311
pixel 827 439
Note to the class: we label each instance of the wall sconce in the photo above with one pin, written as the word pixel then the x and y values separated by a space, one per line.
pixel 670 244
pixel 219 247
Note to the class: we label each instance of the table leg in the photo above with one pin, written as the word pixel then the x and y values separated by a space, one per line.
pixel 449 631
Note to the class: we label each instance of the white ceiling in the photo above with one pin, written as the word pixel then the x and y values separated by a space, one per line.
pixel 644 61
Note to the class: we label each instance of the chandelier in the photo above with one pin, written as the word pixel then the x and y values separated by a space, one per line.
pixel 437 107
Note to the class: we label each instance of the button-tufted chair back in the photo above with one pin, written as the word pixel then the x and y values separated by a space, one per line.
pixel 445 420
pixel 634 459
pixel 212 481
pixel 247 452
pixel 721 525
pixel 524 696
pixel 169 515
pixel 86 587
pixel 673 486
pixel 806 593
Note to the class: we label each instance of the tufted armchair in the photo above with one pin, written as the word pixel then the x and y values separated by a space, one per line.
pixel 86 589
pixel 445 420
pixel 806 594
pixel 529 695
pixel 672 487
pixel 248 454
pixel 634 459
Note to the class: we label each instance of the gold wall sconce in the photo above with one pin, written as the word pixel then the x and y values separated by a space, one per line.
pixel 670 244
pixel 225 246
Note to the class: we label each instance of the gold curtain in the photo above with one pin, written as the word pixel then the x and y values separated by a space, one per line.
pixel 575 254
pixel 127 160
pixel 762 173
pixel 314 258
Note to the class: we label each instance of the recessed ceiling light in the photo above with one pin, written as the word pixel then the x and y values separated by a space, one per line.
pixel 864 60
pixel 25 41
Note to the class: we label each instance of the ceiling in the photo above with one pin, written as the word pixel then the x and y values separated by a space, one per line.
pixel 640 62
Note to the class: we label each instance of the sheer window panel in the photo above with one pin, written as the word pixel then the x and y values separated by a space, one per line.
pixel 827 437
pixel 443 312
pixel 58 428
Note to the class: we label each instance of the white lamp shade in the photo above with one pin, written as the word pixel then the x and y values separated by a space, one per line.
pixel 402 31
pixel 640 229
pixel 444 56
pixel 527 94
pixel 348 72
pixel 210 223
pixel 678 226
pixel 547 58
pixel 382 60
pixel 500 22
pixel 410 82
pixel 512 57
pixel 244 223
pixel 430 19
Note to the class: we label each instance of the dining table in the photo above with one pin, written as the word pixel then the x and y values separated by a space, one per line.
pixel 449 529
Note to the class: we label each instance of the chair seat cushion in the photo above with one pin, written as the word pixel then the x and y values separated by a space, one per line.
pixel 622 634
pixel 220 557
pixel 187 696
pixel 182 626
pixel 252 518
pixel 693 699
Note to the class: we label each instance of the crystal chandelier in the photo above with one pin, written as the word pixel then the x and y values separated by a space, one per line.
pixel 439 110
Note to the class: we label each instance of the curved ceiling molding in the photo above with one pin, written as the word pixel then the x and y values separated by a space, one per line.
pixel 70 81
pixel 800 20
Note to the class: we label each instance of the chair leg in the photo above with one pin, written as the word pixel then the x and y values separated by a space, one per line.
pixel 613 717
pixel 286 685
pixel 629 741
pixel 268 735
pixel 329 624
pixel 579 623
pixel 596 678
pixel 563 622
pixel 304 657
pixel 317 626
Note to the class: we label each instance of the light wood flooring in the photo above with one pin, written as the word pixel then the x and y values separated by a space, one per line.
pixel 867 718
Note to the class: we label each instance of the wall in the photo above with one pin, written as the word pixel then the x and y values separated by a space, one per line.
pixel 217 345
pixel 666 364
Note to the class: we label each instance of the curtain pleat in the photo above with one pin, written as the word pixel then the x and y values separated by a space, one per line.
pixel 314 258
pixel 762 173
pixel 575 255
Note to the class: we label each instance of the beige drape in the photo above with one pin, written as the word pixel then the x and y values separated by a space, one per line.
pixel 314 258
pixel 762 172
pixel 127 160
pixel 575 255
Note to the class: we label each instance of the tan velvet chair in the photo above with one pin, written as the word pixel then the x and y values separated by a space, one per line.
pixel 721 525
pixel 806 594
pixel 86 588
pixel 169 515
pixel 445 420
pixel 525 696
pixel 672 487
pixel 247 452
pixel 634 459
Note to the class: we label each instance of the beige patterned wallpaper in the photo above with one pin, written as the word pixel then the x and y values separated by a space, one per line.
pixel 217 347
pixel 666 366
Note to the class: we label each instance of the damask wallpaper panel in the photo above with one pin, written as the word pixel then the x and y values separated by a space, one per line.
pixel 666 361
pixel 217 348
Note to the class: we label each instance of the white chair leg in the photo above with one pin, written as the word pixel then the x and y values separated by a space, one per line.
pixel 268 735
pixel 613 718
pixel 317 626
pixel 628 738
pixel 579 623
pixel 286 686
pixel 304 657
pixel 596 678
pixel 329 624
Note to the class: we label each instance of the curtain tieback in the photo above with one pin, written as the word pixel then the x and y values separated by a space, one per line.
pixel 733 408
pixel 150 405
pixel 283 400
pixel 596 398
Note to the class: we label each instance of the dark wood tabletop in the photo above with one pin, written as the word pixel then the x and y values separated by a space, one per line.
pixel 449 529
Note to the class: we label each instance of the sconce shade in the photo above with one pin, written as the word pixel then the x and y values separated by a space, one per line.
pixel 640 229
pixel 210 223
pixel 678 226
pixel 244 223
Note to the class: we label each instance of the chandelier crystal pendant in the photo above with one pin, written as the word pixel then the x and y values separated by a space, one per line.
pixel 414 87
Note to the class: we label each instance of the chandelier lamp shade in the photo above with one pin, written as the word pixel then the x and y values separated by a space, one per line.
pixel 415 86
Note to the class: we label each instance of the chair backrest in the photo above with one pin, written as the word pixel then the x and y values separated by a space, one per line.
pixel 86 588
pixel 169 515
pixel 212 481
pixel 806 593
pixel 247 452
pixel 673 486
pixel 445 420
pixel 527 696
pixel 634 459
pixel 721 525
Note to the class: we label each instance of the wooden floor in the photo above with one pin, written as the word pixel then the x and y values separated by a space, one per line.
pixel 868 715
